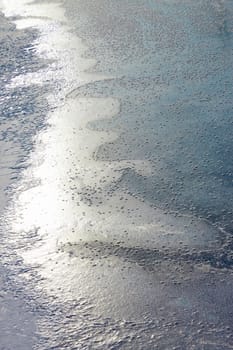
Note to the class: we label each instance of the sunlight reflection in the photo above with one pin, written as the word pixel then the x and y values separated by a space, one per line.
pixel 66 196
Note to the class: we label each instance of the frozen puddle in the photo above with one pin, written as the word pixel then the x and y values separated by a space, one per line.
pixel 77 198
pixel 133 272
pixel 82 221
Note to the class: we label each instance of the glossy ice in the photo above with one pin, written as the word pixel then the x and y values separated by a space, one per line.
pixel 120 220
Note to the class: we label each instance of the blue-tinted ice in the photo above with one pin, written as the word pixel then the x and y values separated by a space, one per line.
pixel 116 174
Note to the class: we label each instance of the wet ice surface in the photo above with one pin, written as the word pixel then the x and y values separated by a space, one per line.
pixel 117 231
pixel 173 82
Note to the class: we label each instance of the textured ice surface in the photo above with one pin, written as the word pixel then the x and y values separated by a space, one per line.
pixel 117 231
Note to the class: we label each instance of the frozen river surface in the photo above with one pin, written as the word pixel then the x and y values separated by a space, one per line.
pixel 116 174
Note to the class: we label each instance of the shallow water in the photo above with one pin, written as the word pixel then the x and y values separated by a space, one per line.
pixel 118 174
